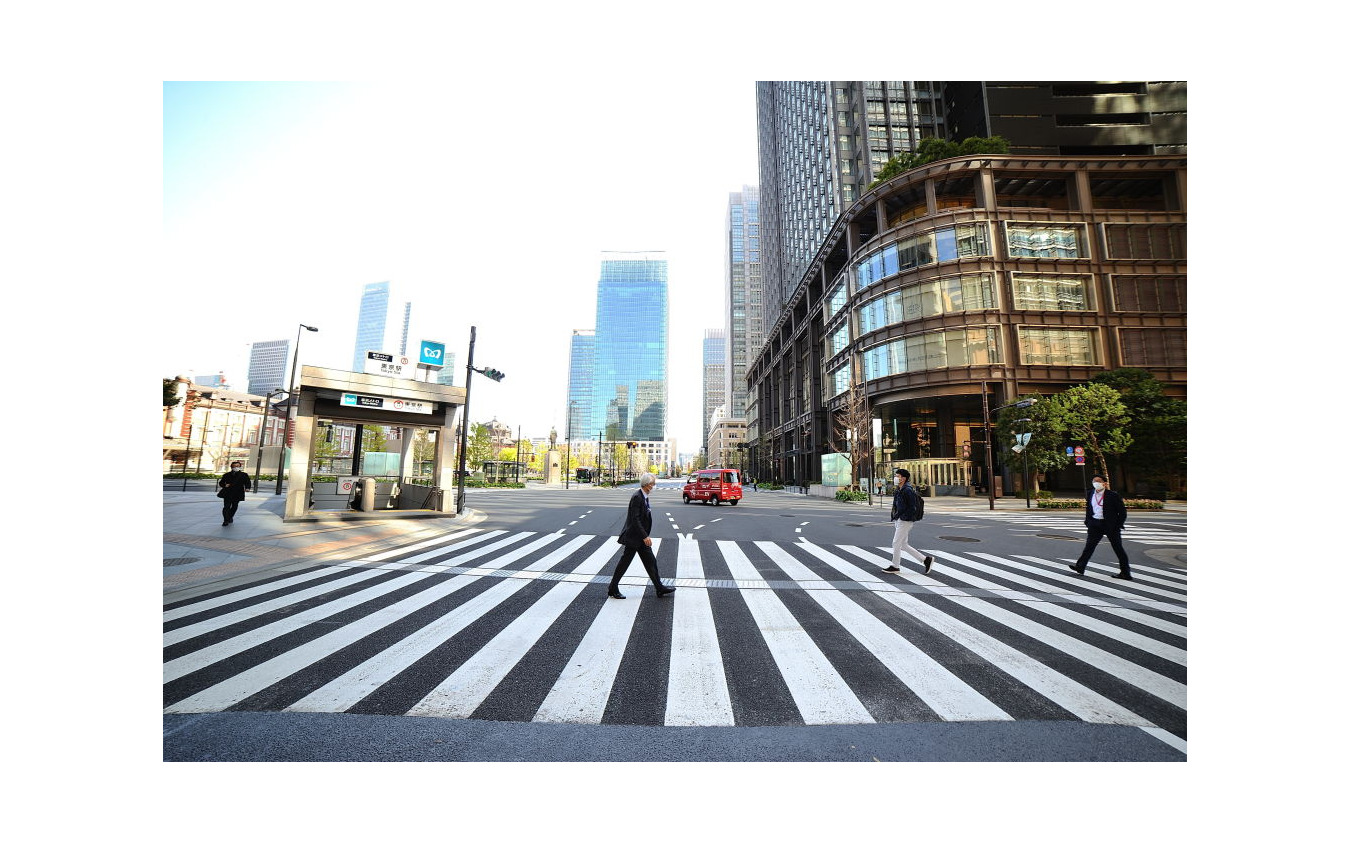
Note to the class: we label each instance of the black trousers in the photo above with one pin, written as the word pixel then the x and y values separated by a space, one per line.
pixel 231 504
pixel 1095 533
pixel 644 552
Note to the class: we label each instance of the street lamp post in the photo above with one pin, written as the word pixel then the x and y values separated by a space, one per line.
pixel 262 432
pixel 1022 447
pixel 988 439
pixel 464 421
pixel 292 401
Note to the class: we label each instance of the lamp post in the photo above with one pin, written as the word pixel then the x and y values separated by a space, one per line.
pixel 262 432
pixel 464 422
pixel 988 439
pixel 292 401
pixel 1022 447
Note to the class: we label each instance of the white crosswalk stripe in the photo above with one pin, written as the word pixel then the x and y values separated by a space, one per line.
pixel 1035 522
pixel 983 637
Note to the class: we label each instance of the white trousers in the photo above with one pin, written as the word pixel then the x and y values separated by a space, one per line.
pixel 901 543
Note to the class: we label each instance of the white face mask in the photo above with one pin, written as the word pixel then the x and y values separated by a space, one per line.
pixel 1098 485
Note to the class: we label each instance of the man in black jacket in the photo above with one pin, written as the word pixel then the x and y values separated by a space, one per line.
pixel 1105 516
pixel 233 484
pixel 636 539
pixel 904 512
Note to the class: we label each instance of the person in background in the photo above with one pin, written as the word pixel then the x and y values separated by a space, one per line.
pixel 1105 517
pixel 233 485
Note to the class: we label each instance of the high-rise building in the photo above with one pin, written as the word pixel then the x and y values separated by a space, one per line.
pixel 714 376
pixel 447 374
pixel 744 296
pixel 631 316
pixel 370 322
pixel 407 318
pixel 1072 118
pixel 581 386
pixel 267 366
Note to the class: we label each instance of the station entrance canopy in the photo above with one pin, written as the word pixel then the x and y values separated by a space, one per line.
pixel 353 397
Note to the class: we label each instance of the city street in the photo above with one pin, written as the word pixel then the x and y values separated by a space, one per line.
pixel 491 638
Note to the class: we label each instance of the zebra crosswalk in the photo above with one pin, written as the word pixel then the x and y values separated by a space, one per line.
pixel 1137 530
pixel 515 626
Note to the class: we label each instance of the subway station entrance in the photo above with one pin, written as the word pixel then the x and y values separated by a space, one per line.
pixel 366 445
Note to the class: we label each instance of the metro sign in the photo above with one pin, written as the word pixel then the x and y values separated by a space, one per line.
pixel 432 355
pixel 385 403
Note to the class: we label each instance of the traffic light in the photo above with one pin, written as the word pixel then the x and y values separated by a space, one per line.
pixel 494 374
pixel 631 444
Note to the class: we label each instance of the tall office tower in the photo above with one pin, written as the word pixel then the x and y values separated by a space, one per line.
pixel 267 366
pixel 370 322
pixel 1072 118
pixel 820 145
pixel 407 318
pixel 581 386
pixel 714 376
pixel 631 316
pixel 447 374
pixel 745 296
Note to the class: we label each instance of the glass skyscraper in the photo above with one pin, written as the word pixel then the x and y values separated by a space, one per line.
pixel 370 323
pixel 714 376
pixel 581 386
pixel 745 296
pixel 267 366
pixel 628 396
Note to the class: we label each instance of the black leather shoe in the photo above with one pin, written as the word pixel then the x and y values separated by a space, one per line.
pixel 1124 575
pixel 892 569
pixel 614 593
pixel 663 591
pixel 927 564
pixel 1078 571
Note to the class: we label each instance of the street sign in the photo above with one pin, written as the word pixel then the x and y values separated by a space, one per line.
pixel 395 366
pixel 432 355
pixel 346 485
pixel 1068 451
pixel 1080 461
pixel 1078 451
pixel 386 403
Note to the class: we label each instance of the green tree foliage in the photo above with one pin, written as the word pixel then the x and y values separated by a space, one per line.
pixel 480 445
pixel 1158 426
pixel 1094 415
pixel 373 439
pixel 936 149
pixel 1045 450
pixel 171 397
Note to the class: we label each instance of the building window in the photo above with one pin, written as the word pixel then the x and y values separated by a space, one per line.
pixel 1146 241
pixel 1149 293
pixel 1046 292
pixel 933 350
pixel 945 244
pixel 840 378
pixel 838 341
pixel 1046 240
pixel 974 292
pixel 838 299
pixel 1057 346
pixel 1153 346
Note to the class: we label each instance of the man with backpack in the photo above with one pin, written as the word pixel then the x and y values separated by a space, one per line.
pixel 906 509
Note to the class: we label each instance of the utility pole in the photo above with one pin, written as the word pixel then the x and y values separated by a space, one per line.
pixel 464 422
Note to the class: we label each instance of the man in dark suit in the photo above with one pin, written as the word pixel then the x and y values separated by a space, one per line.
pixel 636 539
pixel 1105 517
pixel 233 484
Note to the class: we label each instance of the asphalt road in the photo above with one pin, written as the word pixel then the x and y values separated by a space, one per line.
pixel 1047 666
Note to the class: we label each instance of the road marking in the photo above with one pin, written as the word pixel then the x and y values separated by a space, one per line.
pixel 697 694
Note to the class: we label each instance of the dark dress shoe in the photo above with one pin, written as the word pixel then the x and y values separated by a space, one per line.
pixel 663 591
pixel 1078 571
pixel 1124 575
pixel 614 593
pixel 927 564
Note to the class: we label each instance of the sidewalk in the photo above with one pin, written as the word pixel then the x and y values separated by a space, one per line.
pixel 954 503
pixel 199 549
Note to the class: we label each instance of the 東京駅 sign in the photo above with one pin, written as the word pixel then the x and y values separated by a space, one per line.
pixel 385 403
pixel 395 366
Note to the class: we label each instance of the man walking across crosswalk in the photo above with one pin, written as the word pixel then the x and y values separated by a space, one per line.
pixel 636 539
pixel 906 509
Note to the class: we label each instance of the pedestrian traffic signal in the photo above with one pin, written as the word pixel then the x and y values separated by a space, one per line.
pixel 495 375
pixel 631 444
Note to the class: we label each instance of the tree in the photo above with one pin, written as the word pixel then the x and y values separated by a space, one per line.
pixel 1094 415
pixel 1044 451
pixel 1158 426
pixel 373 439
pixel 480 445
pixel 853 425
pixel 171 397
pixel 936 149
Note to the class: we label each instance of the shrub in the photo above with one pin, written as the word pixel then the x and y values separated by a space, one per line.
pixel 1078 504
pixel 850 495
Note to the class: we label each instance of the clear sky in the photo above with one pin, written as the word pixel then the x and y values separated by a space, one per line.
pixel 480 204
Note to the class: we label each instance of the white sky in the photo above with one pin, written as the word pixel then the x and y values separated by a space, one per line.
pixel 482 208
